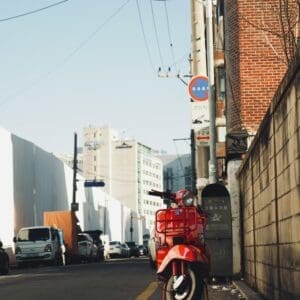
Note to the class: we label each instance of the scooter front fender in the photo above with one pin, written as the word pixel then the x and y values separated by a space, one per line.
pixel 188 253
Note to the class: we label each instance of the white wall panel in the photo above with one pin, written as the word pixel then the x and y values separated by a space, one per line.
pixel 6 189
pixel 33 181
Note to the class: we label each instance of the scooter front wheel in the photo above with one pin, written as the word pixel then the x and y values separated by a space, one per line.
pixel 191 287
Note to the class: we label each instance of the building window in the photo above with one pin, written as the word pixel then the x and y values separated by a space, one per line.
pixel 168 178
pixel 221 83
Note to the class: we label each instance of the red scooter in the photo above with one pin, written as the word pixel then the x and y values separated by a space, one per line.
pixel 180 254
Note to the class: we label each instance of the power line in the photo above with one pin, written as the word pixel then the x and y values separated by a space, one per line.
pixel 84 42
pixel 169 34
pixel 33 11
pixel 67 58
pixel 144 36
pixel 178 156
pixel 156 35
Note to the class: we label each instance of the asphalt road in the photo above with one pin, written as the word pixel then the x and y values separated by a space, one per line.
pixel 128 279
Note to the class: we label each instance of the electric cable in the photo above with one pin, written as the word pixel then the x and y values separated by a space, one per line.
pixel 144 36
pixel 156 35
pixel 67 58
pixel 178 157
pixel 169 34
pixel 33 11
pixel 180 59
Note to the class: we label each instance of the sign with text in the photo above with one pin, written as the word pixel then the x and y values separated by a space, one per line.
pixel 200 115
pixel 94 183
pixel 198 88
pixel 202 137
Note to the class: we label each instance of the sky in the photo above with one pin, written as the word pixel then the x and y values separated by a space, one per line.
pixel 95 62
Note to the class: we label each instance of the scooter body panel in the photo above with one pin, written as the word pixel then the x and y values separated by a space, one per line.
pixel 187 253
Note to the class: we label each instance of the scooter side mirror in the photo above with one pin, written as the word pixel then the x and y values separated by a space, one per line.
pixel 167 202
pixel 14 239
pixel 1 245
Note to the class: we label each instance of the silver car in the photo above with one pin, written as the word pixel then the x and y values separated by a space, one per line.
pixel 86 248
pixel 115 249
pixel 125 250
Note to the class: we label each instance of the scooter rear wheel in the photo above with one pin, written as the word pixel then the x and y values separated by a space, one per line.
pixel 192 289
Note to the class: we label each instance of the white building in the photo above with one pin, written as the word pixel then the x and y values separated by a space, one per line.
pixel 33 180
pixel 128 169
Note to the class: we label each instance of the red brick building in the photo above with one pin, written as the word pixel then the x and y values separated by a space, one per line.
pixel 259 42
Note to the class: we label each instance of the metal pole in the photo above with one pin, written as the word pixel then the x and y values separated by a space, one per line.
pixel 193 162
pixel 74 169
pixel 211 94
pixel 199 67
pixel 131 227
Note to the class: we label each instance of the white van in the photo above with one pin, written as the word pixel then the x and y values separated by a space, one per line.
pixel 37 244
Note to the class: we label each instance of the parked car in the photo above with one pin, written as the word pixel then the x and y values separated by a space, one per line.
pixel 143 250
pixel 38 244
pixel 95 234
pixel 87 250
pixel 125 250
pixel 115 249
pixel 134 250
pixel 4 261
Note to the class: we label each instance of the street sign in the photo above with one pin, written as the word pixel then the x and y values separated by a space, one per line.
pixel 92 183
pixel 200 114
pixel 198 88
pixel 202 137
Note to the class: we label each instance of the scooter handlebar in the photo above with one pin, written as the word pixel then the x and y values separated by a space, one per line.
pixel 166 194
pixel 155 193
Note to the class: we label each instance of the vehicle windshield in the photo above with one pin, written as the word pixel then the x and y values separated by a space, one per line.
pixel 114 243
pixel 95 234
pixel 131 244
pixel 32 235
pixel 81 238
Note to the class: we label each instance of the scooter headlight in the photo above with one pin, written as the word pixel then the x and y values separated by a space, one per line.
pixel 188 201
pixel 188 198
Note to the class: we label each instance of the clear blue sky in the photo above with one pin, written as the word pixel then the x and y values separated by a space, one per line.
pixel 76 64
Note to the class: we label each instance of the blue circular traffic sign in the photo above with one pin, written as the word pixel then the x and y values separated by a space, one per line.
pixel 198 88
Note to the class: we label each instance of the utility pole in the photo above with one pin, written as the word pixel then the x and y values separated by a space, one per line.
pixel 211 94
pixel 74 205
pixel 193 163
pixel 199 67
pixel 131 226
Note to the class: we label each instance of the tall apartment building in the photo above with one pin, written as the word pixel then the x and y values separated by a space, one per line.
pixel 128 168
pixel 177 172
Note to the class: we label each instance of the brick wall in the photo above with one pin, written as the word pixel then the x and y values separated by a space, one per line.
pixel 232 59
pixel 270 196
pixel 254 58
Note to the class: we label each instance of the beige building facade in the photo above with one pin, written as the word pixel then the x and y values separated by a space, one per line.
pixel 129 170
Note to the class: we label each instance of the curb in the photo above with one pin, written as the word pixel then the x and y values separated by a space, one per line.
pixel 246 292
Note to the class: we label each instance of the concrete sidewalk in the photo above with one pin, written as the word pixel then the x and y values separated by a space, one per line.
pixel 246 292
pixel 223 292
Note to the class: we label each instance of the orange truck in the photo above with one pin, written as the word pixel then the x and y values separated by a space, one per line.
pixel 68 223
